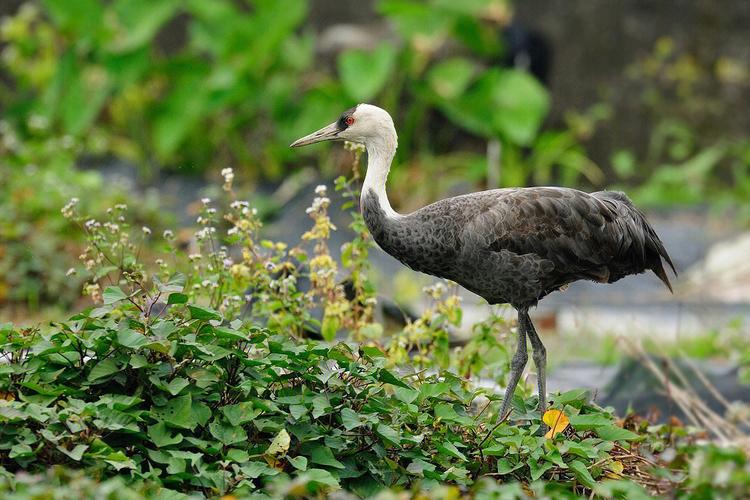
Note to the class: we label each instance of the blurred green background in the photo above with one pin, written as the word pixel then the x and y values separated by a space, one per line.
pixel 485 93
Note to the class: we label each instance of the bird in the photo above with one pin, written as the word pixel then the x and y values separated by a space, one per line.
pixel 510 245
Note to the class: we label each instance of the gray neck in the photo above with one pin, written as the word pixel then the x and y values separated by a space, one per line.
pixel 380 153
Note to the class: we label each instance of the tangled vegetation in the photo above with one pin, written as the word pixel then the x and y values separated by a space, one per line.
pixel 223 364
pixel 198 375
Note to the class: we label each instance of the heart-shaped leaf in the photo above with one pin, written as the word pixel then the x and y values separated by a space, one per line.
pixel 556 421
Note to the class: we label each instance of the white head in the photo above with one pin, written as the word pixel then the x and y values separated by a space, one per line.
pixel 364 124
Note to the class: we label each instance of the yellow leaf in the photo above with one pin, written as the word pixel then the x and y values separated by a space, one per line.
pixel 7 396
pixel 615 469
pixel 280 444
pixel 556 421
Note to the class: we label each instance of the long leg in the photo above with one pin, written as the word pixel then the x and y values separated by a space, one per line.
pixel 517 364
pixel 539 354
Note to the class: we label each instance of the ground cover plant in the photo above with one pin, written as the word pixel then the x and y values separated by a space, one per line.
pixel 198 375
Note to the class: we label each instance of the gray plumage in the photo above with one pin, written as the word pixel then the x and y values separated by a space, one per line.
pixel 517 245
pixel 507 245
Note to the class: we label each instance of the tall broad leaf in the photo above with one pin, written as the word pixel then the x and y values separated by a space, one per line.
pixel 140 21
pixel 502 103
pixel 522 105
pixel 364 74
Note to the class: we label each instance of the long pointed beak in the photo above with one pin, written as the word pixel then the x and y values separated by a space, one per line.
pixel 327 133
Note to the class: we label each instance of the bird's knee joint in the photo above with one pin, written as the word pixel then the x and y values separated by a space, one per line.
pixel 540 355
pixel 518 362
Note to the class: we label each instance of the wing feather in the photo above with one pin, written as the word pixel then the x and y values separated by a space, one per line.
pixel 599 236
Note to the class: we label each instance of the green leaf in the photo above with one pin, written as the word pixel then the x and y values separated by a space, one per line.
pixel 113 294
pixel 180 112
pixel 237 455
pixel 297 411
pixel 538 468
pixel 582 473
pixel 349 419
pixel 521 104
pixel 175 285
pixel 176 385
pixel 449 78
pixel 450 449
pixel 161 436
pixel 20 450
pixel 229 333
pixel 364 74
pixel 80 17
pixel 103 369
pixel 448 413
pixel 405 395
pixel 321 406
pixel 320 476
pixel 329 327
pixel 253 470
pixel 131 339
pixel 177 412
pixel 299 463
pixel 324 456
pixel 589 421
pixel 507 103
pixel 227 433
pixel 141 20
pixel 241 413
pixel 505 466
pixel 76 453
pixel 433 390
pixel 614 433
pixel 203 313
pixel 579 396
pixel 388 433
pixel 389 378
pixel 177 298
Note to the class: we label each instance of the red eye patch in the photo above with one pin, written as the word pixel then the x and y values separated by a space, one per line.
pixel 349 120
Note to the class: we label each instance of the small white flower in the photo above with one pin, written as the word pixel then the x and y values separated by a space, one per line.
pixel 205 201
pixel 69 208
pixel 38 122
pixel 168 234
pixel 321 189
pixel 146 230
pixel 228 174
pixel 70 272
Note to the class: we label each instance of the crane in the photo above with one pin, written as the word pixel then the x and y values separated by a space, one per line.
pixel 513 245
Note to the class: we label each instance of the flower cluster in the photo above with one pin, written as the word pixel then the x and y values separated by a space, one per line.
pixel 228 175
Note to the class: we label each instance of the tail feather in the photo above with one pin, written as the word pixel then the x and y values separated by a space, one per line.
pixel 643 237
